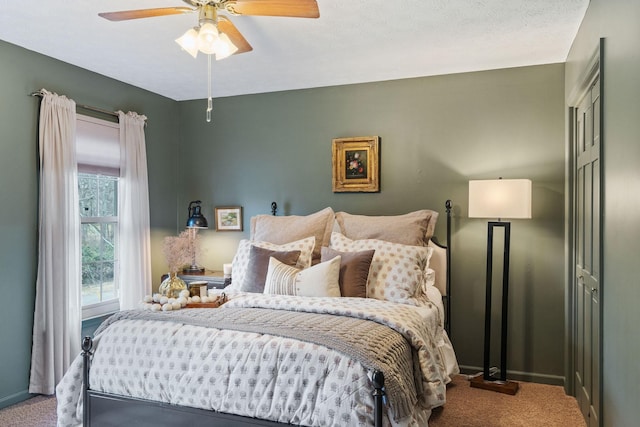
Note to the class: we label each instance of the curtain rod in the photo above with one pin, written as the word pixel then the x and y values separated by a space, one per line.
pixel 86 107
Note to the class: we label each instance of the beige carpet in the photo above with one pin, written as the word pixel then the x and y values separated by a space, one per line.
pixel 39 411
pixel 534 405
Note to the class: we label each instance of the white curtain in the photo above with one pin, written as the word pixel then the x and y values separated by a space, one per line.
pixel 135 252
pixel 57 316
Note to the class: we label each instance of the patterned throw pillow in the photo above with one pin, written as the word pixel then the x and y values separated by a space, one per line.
pixel 240 262
pixel 354 270
pixel 321 280
pixel 397 272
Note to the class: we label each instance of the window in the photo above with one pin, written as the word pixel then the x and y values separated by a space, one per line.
pixel 98 195
pixel 98 154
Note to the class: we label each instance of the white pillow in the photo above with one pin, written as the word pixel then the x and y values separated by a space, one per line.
pixel 397 273
pixel 321 280
pixel 240 263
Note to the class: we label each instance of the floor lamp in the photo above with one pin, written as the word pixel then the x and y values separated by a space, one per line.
pixel 498 198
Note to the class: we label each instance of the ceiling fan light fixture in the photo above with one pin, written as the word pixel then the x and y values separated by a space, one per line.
pixel 224 47
pixel 207 38
pixel 189 42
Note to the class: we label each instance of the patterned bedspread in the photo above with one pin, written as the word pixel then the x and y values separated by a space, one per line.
pixel 192 361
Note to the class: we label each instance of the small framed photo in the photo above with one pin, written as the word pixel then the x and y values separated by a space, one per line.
pixel 356 164
pixel 228 218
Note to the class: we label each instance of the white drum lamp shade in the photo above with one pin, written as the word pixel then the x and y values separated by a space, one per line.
pixel 500 198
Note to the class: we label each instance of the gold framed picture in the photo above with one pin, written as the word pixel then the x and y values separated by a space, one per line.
pixel 356 164
pixel 228 218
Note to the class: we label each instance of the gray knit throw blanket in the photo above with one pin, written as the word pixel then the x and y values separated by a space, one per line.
pixel 376 346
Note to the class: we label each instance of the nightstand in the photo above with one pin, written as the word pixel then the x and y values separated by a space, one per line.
pixel 214 278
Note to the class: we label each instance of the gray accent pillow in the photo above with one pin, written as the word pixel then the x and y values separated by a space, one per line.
pixel 256 275
pixel 354 270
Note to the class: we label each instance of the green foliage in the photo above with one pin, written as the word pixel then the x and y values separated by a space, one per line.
pixel 98 196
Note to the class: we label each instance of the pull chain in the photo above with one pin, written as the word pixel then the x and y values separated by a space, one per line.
pixel 209 100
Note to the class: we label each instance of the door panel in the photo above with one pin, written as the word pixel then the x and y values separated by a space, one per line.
pixel 587 255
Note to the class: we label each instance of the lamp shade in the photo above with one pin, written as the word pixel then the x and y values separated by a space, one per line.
pixel 189 42
pixel 196 219
pixel 224 47
pixel 207 38
pixel 500 198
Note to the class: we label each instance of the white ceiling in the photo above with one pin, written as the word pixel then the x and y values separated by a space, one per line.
pixel 353 41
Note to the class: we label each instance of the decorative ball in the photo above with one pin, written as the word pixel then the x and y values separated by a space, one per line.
pixel 156 297
pixel 204 299
pixel 167 307
pixel 176 305
pixel 148 298
pixel 171 300
pixel 185 293
pixel 163 300
pixel 195 298
pixel 156 307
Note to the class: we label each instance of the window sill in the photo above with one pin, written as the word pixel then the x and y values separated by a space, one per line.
pixel 100 310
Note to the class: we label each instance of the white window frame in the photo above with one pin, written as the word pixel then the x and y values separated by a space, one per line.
pixel 110 306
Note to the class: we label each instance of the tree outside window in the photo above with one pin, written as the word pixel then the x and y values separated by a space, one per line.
pixel 98 195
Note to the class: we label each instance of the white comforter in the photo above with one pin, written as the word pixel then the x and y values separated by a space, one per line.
pixel 254 374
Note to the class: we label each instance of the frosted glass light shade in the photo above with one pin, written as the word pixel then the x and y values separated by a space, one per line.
pixel 207 38
pixel 500 198
pixel 224 47
pixel 189 42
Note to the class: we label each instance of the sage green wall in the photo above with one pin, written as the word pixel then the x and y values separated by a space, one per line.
pixel 436 134
pixel 617 22
pixel 21 73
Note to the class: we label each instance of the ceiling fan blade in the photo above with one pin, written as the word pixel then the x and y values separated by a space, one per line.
pixel 227 27
pixel 144 13
pixel 289 8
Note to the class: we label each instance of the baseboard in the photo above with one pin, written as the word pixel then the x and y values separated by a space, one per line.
pixel 15 398
pixel 531 377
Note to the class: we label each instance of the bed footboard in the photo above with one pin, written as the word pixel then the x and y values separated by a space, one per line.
pixel 104 409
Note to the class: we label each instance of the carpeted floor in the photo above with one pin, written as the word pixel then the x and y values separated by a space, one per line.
pixel 534 405
pixel 39 411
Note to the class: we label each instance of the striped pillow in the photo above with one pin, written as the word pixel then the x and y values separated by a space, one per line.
pixel 321 280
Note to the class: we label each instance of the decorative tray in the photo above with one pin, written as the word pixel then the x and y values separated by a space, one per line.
pixel 203 305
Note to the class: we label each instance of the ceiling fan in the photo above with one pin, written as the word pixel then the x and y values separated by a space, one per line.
pixel 224 28
pixel 215 35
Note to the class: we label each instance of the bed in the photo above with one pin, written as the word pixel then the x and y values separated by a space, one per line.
pixel 351 331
